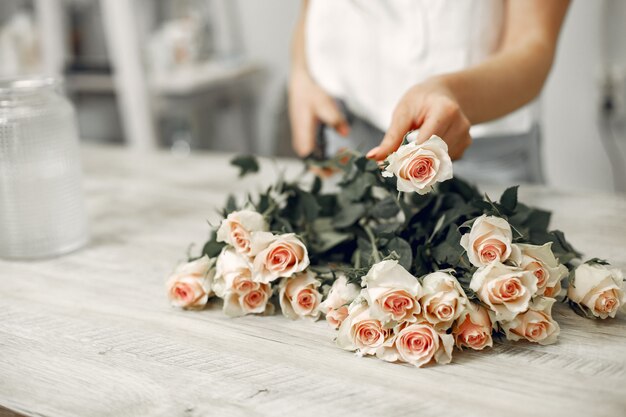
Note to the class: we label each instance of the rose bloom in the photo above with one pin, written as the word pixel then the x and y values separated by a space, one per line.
pixel 336 316
pixel 505 289
pixel 391 292
pixel 190 285
pixel 232 270
pixel 299 296
pixel 281 257
pixel 489 241
pixel 419 343
pixel 598 288
pixel 535 325
pixel 362 333
pixel 418 167
pixel 237 228
pixel 541 262
pixel 473 328
pixel 339 296
pixel 442 299
pixel 247 297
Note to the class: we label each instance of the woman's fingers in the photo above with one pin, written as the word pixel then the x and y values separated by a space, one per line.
pixel 401 123
pixel 328 113
pixel 302 129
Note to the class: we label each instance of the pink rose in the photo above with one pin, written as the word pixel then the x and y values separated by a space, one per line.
pixel 299 296
pixel 247 297
pixel 336 316
pixel 418 167
pixel 473 328
pixel 599 289
pixel 541 262
pixel 391 292
pixel 535 325
pixel 190 285
pixel 284 256
pixel 419 343
pixel 506 290
pixel 232 269
pixel 443 299
pixel 236 229
pixel 489 241
pixel 361 333
pixel 339 296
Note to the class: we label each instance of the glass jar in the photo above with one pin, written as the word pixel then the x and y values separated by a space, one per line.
pixel 42 210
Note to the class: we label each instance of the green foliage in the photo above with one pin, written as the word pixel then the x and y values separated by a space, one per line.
pixel 366 219
pixel 246 164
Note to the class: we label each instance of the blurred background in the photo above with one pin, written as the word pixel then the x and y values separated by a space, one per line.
pixel 186 75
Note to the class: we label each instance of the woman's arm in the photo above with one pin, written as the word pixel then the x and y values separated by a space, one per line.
pixel 308 103
pixel 447 105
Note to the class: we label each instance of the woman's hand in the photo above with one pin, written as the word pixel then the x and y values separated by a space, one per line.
pixel 432 108
pixel 308 106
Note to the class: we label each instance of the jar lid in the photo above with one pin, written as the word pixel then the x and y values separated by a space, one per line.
pixel 27 84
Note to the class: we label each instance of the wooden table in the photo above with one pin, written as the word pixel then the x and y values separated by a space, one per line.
pixel 92 334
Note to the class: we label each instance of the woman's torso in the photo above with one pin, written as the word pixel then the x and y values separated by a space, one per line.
pixel 369 52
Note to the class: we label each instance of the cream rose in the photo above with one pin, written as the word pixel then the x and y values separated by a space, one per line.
pixel 419 343
pixel 442 300
pixel 505 289
pixel 247 297
pixel 190 285
pixel 598 288
pixel 232 269
pixel 336 316
pixel 535 325
pixel 237 228
pixel 489 241
pixel 339 296
pixel 283 256
pixel 361 332
pixel 473 328
pixel 299 296
pixel 391 292
pixel 418 167
pixel 541 262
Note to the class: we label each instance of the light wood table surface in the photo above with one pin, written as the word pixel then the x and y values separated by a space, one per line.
pixel 92 334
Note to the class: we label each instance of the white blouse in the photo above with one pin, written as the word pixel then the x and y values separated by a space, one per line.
pixel 369 52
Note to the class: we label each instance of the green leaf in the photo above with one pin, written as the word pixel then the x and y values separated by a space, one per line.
pixel 508 200
pixel 327 240
pixel 231 205
pixel 356 189
pixel 309 205
pixel 246 164
pixel 348 215
pixel 597 261
pixel 538 220
pixel 402 248
pixel 212 247
pixel 385 209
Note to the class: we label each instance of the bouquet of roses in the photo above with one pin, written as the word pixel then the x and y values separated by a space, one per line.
pixel 404 260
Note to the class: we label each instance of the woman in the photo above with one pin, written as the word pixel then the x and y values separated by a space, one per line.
pixel 445 67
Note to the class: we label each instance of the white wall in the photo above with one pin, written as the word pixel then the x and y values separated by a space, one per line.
pixel 267 28
pixel 574 156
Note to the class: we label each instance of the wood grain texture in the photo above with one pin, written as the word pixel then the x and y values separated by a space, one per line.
pixel 91 333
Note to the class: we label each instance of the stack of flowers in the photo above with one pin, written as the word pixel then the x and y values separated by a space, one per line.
pixel 253 265
pixel 404 260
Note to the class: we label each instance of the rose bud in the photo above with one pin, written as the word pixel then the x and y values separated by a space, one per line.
pixel 237 228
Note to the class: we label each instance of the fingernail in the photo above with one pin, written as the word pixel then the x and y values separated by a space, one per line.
pixel 372 153
pixel 343 130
